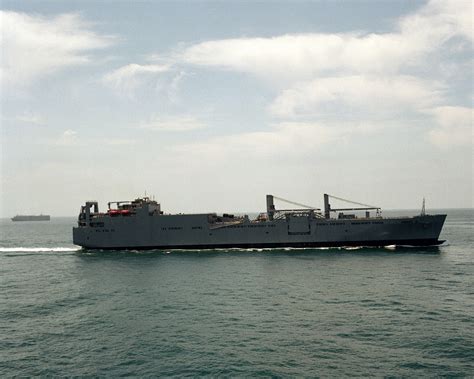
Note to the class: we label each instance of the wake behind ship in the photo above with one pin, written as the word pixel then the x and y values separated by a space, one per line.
pixel 141 224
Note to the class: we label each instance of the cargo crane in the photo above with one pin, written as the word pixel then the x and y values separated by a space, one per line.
pixel 365 207
pixel 274 213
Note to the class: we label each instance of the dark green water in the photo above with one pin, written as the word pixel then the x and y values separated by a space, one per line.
pixel 289 313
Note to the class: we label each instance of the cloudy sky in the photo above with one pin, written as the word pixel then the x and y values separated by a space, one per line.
pixel 211 105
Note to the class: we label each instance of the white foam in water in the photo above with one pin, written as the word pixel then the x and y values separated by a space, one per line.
pixel 37 249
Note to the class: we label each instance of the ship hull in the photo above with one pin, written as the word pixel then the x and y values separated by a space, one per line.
pixel 195 232
pixel 31 218
pixel 302 245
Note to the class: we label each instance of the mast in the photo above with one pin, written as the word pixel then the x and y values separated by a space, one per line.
pixel 270 207
pixel 327 206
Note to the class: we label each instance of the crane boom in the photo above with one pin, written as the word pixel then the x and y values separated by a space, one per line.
pixel 354 202
pixel 294 203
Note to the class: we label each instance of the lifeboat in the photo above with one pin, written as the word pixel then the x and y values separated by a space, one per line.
pixel 119 212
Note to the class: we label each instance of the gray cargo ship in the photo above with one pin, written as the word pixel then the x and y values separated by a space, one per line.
pixel 31 218
pixel 141 224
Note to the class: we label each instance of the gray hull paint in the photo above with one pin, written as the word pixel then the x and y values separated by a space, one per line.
pixel 31 218
pixel 147 231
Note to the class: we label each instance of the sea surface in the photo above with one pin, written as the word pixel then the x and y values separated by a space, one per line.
pixel 397 312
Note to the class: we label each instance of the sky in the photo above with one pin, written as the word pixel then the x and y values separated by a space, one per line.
pixel 211 105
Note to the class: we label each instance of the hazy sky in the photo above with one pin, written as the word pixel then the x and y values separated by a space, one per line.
pixel 211 105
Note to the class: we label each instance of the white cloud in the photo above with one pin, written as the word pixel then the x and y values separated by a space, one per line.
pixel 128 78
pixel 119 142
pixel 440 20
pixel 324 76
pixel 173 90
pixel 301 56
pixel 34 46
pixel 306 55
pixel 28 117
pixel 283 138
pixel 67 138
pixel 321 73
pixel 339 95
pixel 172 124
pixel 455 127
pixel 70 137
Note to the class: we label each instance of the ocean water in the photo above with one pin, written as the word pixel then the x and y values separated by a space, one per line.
pixel 401 312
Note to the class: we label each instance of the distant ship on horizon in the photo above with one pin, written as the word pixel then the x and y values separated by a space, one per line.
pixel 40 217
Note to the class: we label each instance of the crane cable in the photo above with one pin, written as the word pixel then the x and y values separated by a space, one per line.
pixel 294 203
pixel 353 202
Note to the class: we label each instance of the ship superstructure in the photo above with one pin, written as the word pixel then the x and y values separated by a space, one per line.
pixel 141 224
